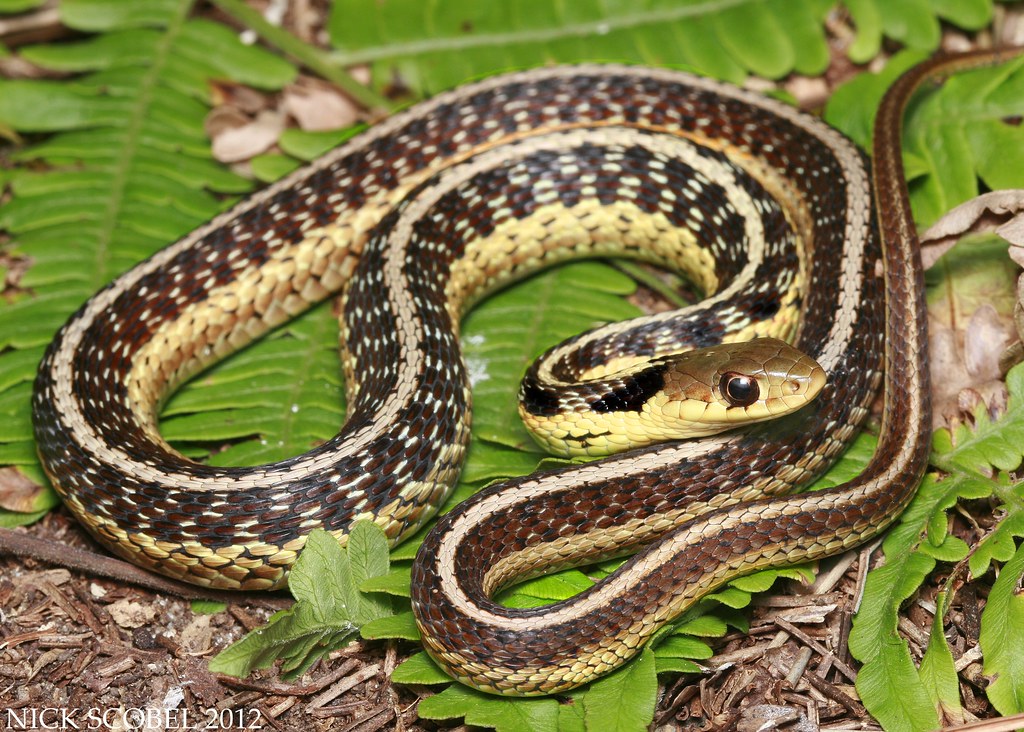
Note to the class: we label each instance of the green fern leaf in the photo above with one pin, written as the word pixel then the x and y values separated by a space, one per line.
pixel 938 671
pixel 988 445
pixel 434 46
pixel 1002 635
pixel 915 23
pixel 127 172
pixel 18 6
pixel 884 684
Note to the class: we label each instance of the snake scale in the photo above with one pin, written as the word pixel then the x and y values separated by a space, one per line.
pixel 766 208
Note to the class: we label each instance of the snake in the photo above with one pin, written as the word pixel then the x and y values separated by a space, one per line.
pixel 768 210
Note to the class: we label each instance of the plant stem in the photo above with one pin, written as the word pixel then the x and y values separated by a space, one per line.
pixel 651 281
pixel 312 58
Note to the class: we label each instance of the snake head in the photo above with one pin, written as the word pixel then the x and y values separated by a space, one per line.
pixel 674 397
pixel 718 388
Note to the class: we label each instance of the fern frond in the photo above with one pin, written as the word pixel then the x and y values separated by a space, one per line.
pixel 127 171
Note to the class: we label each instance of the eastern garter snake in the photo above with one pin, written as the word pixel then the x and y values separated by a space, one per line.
pixel 581 158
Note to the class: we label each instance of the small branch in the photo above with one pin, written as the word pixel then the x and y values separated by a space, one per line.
pixel 651 281
pixel 312 58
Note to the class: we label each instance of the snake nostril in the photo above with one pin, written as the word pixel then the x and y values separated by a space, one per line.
pixel 791 385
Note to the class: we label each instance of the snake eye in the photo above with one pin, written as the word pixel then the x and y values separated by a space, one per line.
pixel 739 390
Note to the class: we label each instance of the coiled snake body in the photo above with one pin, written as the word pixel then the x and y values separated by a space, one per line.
pixel 768 209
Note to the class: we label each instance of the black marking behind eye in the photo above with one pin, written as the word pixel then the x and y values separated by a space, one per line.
pixel 537 400
pixel 765 306
pixel 635 391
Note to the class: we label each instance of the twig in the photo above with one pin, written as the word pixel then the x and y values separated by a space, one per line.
pixel 820 649
pixel 309 56
pixel 651 281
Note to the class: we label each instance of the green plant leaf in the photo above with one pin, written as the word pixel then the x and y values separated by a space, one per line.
pixel 915 23
pixel 900 701
pixel 434 46
pixel 419 669
pixel 951 136
pixel 999 545
pixel 401 625
pixel 395 582
pixel 484 710
pixel 329 607
pixel 884 684
pixel 19 6
pixel 208 607
pixel 1002 637
pixel 938 672
pixel 987 444
pixel 623 700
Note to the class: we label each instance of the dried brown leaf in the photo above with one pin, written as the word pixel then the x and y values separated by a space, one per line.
pixel 18 492
pixel 316 106
pixel 998 211
pixel 243 143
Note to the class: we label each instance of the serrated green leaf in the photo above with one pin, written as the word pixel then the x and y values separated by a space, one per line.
pixel 938 672
pixel 434 46
pixel 322 557
pixel 888 586
pixel 295 636
pixel 402 625
pixel 874 639
pixel 367 552
pixel 624 700
pixel 504 715
pixel 683 647
pixel 329 607
pixel 419 669
pixel 890 677
pixel 1002 637
pixel 989 444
